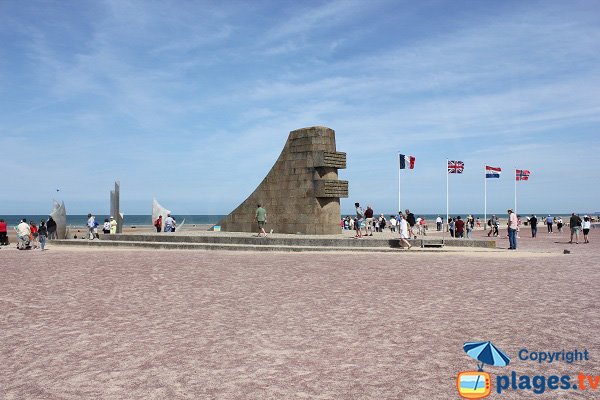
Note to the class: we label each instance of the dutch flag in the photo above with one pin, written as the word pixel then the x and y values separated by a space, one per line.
pixel 492 172
pixel 407 162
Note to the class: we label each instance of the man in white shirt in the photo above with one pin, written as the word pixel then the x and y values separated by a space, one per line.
pixel 23 232
pixel 169 223
pixel 438 223
pixel 513 223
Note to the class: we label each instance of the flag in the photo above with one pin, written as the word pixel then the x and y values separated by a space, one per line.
pixel 407 162
pixel 456 167
pixel 522 174
pixel 492 172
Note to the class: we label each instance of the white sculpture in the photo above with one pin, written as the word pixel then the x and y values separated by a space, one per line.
pixel 59 215
pixel 158 210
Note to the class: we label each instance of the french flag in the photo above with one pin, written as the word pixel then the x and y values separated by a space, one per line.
pixel 407 162
pixel 492 172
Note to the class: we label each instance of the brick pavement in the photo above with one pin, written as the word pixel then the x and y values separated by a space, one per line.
pixel 150 324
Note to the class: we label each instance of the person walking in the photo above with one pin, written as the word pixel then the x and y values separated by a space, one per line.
pixel 410 218
pixel 512 230
pixel 51 226
pixel 404 232
pixel 549 222
pixel 42 233
pixel 533 222
pixel 559 224
pixel 91 224
pixel 587 224
pixel 261 218
pixel 575 225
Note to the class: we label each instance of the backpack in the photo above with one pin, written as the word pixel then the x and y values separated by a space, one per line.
pixel 489 222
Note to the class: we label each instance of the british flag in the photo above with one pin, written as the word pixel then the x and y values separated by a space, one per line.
pixel 456 167
pixel 522 174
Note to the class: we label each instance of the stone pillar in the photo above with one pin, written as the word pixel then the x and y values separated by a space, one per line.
pixel 302 192
pixel 115 211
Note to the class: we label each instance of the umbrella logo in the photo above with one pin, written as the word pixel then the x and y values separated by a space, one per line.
pixel 477 384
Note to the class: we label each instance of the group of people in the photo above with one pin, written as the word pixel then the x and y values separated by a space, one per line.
pixel 29 234
pixel 168 225
pixel 457 227
pixel 109 226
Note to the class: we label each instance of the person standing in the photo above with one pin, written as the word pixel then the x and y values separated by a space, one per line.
pixel 42 233
pixel 587 224
pixel 106 226
pixel 113 225
pixel 34 234
pixel 549 222
pixel 438 223
pixel 404 231
pixel 358 220
pixel 451 226
pixel 51 226
pixel 459 227
pixel 158 223
pixel 169 224
pixel 369 221
pixel 261 218
pixel 575 225
pixel 3 233
pixel 91 224
pixel 533 222
pixel 512 230
pixel 23 235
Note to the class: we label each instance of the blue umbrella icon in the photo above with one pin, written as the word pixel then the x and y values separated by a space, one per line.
pixel 487 353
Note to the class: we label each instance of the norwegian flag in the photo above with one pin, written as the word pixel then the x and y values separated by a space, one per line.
pixel 522 174
pixel 456 167
pixel 407 162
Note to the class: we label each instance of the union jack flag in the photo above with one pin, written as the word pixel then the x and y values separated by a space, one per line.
pixel 522 174
pixel 456 167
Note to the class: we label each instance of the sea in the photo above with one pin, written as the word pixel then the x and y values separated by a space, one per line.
pixel 128 220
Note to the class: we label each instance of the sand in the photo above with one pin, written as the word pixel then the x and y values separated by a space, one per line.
pixel 160 324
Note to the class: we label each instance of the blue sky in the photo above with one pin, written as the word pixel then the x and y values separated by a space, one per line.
pixel 191 102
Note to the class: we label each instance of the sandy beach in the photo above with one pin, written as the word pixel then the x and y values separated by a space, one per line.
pixel 156 324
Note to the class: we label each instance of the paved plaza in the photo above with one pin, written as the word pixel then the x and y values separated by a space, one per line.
pixel 159 324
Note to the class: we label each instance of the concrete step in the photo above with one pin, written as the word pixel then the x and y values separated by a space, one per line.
pixel 224 246
pixel 298 241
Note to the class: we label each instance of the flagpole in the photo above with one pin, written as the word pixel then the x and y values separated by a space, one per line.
pixel 516 192
pixel 447 212
pixel 399 182
pixel 485 195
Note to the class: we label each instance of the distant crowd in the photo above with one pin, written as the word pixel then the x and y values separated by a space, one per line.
pixel 365 223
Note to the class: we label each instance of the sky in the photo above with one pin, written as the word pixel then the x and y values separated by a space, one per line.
pixel 191 102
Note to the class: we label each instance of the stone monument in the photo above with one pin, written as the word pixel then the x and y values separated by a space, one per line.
pixel 158 210
pixel 302 192
pixel 115 206
pixel 59 215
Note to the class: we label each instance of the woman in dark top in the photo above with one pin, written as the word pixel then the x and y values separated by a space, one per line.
pixel 42 233
pixel 51 228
